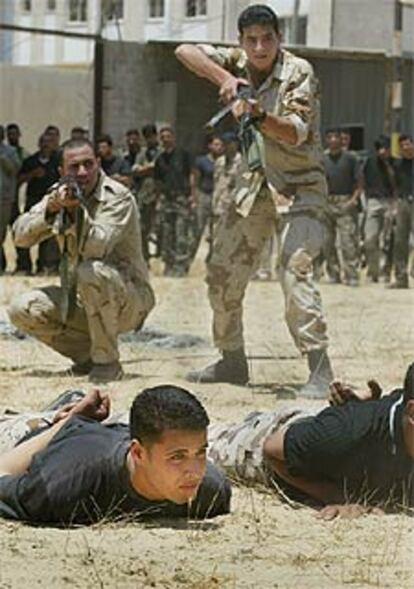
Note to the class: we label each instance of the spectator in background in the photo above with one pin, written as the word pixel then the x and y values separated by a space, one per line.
pixel 378 179
pixel 172 176
pixel 133 141
pixel 79 133
pixel 345 138
pixel 53 133
pixel 146 194
pixel 39 171
pixel 9 167
pixel 115 167
pixel 404 170
pixel 342 172
pixel 202 185
pixel 13 135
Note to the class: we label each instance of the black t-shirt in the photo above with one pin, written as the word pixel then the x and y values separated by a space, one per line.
pixel 341 172
pixel 81 477
pixel 358 446
pixel 172 170
pixel 378 177
pixel 38 187
pixel 404 172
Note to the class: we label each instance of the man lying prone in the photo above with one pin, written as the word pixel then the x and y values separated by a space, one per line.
pixel 77 471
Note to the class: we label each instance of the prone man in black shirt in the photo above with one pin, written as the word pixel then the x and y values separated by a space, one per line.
pixel 78 471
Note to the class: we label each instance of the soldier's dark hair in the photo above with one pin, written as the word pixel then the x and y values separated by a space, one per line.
pixel 336 130
pixel 149 129
pixel 1 132
pixel 382 141
pixel 258 14
pixel 163 408
pixel 52 128
pixel 73 144
pixel 133 132
pixel 404 138
pixel 167 128
pixel 104 139
pixel 13 127
pixel 409 384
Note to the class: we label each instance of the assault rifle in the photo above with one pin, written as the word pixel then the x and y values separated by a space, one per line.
pixel 247 133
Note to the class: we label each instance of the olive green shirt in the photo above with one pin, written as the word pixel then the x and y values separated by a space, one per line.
pixel 291 91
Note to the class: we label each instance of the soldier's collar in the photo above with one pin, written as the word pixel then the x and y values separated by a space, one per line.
pixel 281 67
pixel 98 193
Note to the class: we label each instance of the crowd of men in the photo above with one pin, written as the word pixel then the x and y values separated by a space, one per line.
pixel 181 196
pixel 178 195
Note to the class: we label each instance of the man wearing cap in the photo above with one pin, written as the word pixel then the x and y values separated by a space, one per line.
pixel 285 112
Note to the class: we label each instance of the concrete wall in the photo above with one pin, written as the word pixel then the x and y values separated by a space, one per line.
pixel 145 83
pixel 35 97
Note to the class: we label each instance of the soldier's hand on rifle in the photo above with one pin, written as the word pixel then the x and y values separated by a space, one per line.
pixel 62 198
pixel 250 106
pixel 230 87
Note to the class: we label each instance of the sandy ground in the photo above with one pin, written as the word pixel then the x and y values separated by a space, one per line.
pixel 264 543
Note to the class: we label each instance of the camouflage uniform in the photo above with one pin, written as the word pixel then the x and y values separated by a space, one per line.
pixel 106 260
pixel 146 195
pixel 294 171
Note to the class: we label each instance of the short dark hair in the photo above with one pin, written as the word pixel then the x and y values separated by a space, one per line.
pixel 132 132
pixel 1 132
pixel 73 144
pixel 13 126
pixel 52 128
pixel 104 139
pixel 167 128
pixel 409 384
pixel 149 129
pixel 382 141
pixel 163 408
pixel 404 137
pixel 258 14
pixel 336 130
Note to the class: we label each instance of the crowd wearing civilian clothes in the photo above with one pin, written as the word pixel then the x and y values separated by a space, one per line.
pixel 179 196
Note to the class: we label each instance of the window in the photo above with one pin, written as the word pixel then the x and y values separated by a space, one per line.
pixel 196 8
pixel 27 5
pixel 78 10
pixel 51 5
pixel 156 9
pixel 114 9
pixel 286 29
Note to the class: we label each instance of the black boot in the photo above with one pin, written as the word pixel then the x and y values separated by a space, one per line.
pixel 232 368
pixel 320 377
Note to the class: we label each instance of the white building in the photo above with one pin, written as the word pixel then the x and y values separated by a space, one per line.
pixel 366 24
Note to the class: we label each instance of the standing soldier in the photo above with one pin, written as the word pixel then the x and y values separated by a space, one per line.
pixel 405 211
pixel 172 176
pixel 146 193
pixel 341 169
pixel 378 179
pixel 104 266
pixel 285 112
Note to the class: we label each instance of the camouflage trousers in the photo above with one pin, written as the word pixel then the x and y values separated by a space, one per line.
pixel 177 234
pixel 342 228
pixel 404 226
pixel 235 448
pixel 237 249
pixel 378 235
pixel 107 305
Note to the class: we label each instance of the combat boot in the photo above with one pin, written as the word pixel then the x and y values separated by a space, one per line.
pixel 106 372
pixel 320 377
pixel 232 368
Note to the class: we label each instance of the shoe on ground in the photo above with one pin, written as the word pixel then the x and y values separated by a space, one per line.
pixel 232 368
pixel 106 372
pixel 320 377
pixel 81 368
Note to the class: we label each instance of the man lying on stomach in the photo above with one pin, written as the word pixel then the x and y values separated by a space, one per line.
pixel 78 471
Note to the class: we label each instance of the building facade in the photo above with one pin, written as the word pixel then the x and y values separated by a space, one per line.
pixel 315 23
